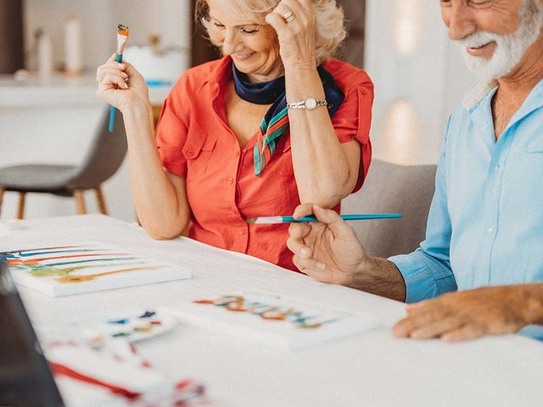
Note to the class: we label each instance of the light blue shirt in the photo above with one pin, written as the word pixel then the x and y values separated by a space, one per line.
pixel 485 225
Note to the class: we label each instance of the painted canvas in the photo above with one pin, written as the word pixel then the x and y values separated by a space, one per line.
pixel 274 320
pixel 78 269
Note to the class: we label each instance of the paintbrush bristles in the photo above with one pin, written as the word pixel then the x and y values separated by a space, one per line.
pixel 122 30
pixel 122 38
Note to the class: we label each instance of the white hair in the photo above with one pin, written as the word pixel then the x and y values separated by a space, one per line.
pixel 330 21
pixel 510 48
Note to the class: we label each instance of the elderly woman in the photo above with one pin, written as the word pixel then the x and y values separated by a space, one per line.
pixel 273 123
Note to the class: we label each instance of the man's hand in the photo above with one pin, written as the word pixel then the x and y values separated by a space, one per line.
pixel 469 314
pixel 327 251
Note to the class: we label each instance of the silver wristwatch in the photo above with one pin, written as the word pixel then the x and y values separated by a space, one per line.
pixel 309 104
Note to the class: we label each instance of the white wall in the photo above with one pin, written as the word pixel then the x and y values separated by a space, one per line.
pixel 421 85
pixel 418 74
pixel 99 18
pixel 29 132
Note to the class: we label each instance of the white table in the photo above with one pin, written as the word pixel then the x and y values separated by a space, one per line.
pixel 372 368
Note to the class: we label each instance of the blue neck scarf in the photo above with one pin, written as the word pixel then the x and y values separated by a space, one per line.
pixel 275 121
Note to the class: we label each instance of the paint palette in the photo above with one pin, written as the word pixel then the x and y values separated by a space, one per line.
pixel 131 326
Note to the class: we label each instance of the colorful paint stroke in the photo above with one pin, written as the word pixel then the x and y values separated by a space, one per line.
pixel 274 319
pixel 76 269
pixel 135 326
pixel 64 262
pixel 269 310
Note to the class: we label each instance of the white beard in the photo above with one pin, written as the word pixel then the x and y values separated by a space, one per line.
pixel 510 48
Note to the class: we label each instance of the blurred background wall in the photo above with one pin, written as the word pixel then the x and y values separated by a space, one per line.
pixel 418 74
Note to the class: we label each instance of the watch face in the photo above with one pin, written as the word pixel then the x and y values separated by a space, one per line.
pixel 310 103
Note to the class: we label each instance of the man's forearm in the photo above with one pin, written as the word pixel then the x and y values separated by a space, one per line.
pixel 382 277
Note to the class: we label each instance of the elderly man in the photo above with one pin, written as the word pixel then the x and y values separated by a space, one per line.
pixel 485 225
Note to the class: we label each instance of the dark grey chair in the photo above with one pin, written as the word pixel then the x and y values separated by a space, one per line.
pixel 407 189
pixel 104 157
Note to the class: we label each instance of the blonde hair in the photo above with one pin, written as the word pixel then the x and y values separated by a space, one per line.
pixel 330 29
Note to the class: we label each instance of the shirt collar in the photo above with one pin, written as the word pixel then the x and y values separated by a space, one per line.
pixel 482 88
pixel 221 72
pixel 478 93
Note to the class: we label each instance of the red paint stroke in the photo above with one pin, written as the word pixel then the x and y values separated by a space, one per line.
pixel 38 260
pixel 66 371
pixel 207 302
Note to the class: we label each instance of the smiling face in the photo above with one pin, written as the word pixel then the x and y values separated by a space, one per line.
pixel 252 44
pixel 495 35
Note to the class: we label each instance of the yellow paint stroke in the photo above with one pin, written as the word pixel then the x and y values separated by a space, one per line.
pixel 70 278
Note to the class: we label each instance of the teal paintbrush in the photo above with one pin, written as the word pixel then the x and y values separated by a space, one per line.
pixel 122 38
pixel 311 218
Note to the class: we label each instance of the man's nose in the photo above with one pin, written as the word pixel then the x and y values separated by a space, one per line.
pixel 461 21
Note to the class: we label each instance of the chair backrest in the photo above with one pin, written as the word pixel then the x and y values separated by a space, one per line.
pixel 105 155
pixel 407 189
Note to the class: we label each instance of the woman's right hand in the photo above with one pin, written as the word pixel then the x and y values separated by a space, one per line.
pixel 121 85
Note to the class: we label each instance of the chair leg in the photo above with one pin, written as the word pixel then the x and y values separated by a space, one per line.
pixel 21 208
pixel 2 190
pixel 80 202
pixel 101 201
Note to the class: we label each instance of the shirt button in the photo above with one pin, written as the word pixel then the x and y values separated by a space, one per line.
pixel 242 231
pixel 490 230
pixel 364 92
pixel 189 152
pixel 230 180
pixel 496 169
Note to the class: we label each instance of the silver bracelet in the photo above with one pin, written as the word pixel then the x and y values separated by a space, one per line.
pixel 309 104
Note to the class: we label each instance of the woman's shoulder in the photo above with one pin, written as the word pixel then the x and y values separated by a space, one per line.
pixel 346 74
pixel 208 72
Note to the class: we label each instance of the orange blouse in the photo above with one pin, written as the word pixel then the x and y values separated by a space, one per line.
pixel 195 142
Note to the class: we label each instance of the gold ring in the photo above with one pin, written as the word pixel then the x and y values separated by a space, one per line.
pixel 288 17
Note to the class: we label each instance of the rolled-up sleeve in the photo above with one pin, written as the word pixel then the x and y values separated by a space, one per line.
pixel 427 271
pixel 425 277
pixel 353 121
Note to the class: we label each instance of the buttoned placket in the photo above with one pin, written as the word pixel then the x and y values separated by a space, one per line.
pixel 492 199
pixel 240 232
pixel 240 229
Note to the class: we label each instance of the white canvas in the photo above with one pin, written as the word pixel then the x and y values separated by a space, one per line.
pixel 69 270
pixel 277 321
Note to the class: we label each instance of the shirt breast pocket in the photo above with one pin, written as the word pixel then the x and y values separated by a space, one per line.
pixel 522 182
pixel 198 151
pixel 535 146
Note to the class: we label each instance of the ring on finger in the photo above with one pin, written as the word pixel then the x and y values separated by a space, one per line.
pixel 288 17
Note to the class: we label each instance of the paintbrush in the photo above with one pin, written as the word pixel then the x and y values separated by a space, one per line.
pixel 311 218
pixel 122 39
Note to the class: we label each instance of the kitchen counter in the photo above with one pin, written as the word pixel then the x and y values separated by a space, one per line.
pixel 58 91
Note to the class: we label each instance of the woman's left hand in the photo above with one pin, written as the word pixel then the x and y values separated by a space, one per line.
pixel 295 24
